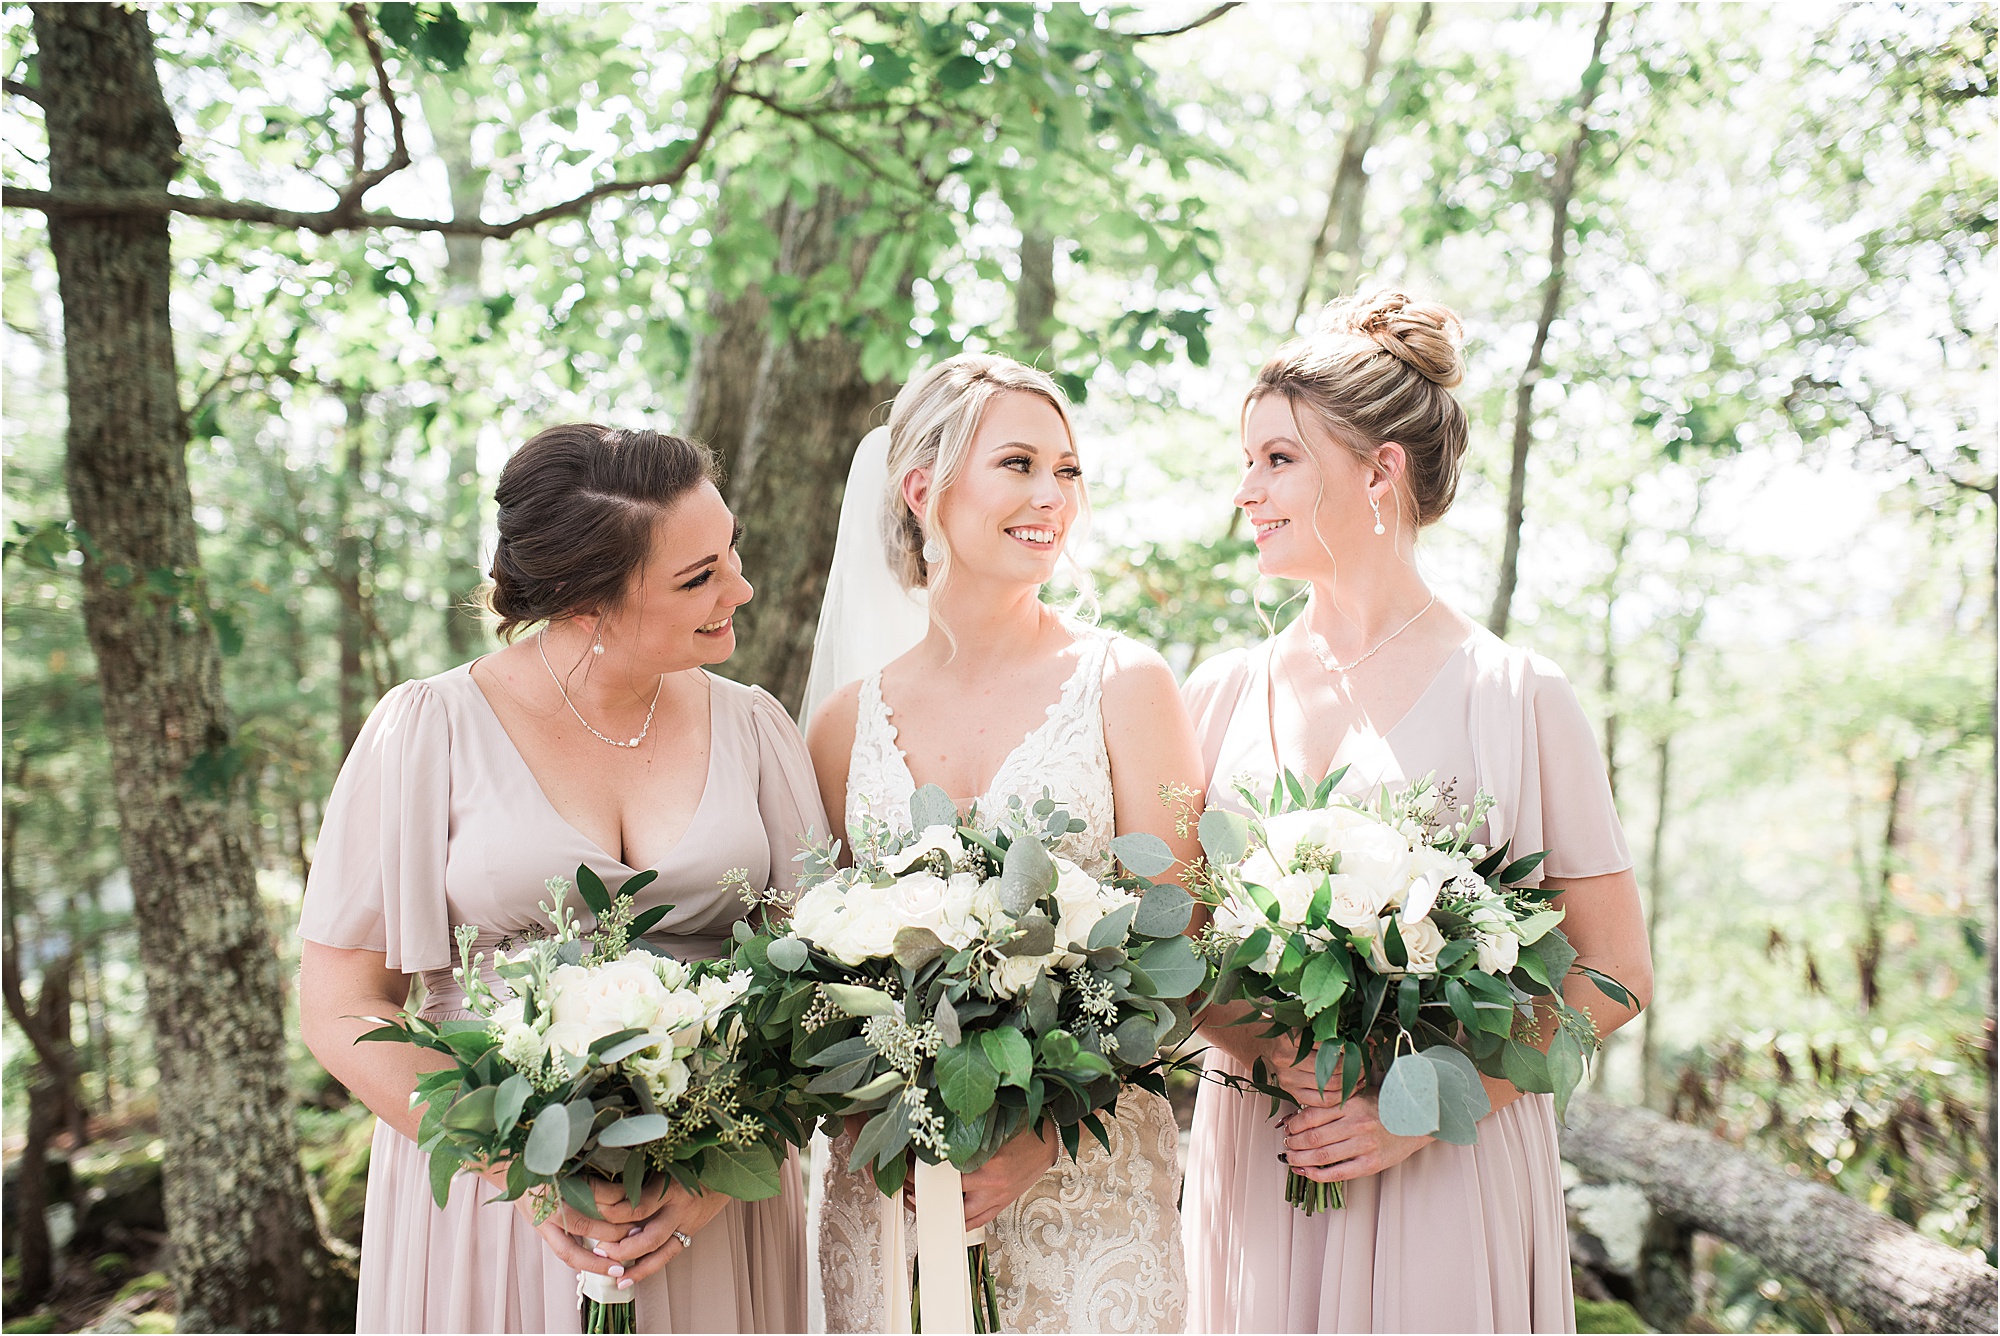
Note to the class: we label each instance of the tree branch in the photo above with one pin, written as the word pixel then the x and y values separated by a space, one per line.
pixel 812 123
pixel 1210 17
pixel 19 89
pixel 85 203
pixel 365 180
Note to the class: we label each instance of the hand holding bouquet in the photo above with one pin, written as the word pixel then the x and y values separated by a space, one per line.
pixel 1395 951
pixel 961 983
pixel 593 1056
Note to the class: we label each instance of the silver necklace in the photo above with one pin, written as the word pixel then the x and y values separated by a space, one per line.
pixel 541 644
pixel 1324 653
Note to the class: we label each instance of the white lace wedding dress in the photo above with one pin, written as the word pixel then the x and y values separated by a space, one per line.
pixel 1095 1244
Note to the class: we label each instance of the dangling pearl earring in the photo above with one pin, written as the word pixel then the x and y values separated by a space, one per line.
pixel 1376 506
pixel 933 551
pixel 597 645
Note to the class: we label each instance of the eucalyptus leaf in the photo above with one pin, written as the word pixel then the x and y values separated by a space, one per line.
pixel 1111 929
pixel 1144 854
pixel 511 1098
pixel 1462 1100
pixel 1027 875
pixel 1225 836
pixel 932 806
pixel 1408 1100
pixel 635 1130
pixel 1172 968
pixel 1565 1070
pixel 744 1173
pixel 917 947
pixel 947 1022
pixel 858 1001
pixel 443 1168
pixel 548 1141
pixel 1036 936
pixel 1164 911
pixel 788 954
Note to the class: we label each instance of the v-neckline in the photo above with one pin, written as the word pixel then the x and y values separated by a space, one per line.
pixel 1381 735
pixel 514 748
pixel 1049 718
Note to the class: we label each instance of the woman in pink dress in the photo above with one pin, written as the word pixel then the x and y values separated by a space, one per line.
pixel 1352 443
pixel 598 740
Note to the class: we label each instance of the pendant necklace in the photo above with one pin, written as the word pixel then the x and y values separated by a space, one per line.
pixel 541 644
pixel 1324 653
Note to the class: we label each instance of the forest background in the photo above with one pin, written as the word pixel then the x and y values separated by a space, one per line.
pixel 1727 273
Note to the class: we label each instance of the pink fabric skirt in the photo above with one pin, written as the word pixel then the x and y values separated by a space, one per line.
pixel 478 1266
pixel 1455 1238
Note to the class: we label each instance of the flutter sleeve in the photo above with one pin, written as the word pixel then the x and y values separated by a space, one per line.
pixel 1212 692
pixel 377 881
pixel 787 792
pixel 1579 819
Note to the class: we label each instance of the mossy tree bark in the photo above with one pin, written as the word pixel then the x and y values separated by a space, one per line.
pixel 247 1256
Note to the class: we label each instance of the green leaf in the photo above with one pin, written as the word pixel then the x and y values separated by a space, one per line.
pixel 635 1130
pixel 917 947
pixel 1225 836
pixel 1111 929
pixel 1164 911
pixel 787 954
pixel 1520 868
pixel 1462 1005
pixel 582 1113
pixel 1462 1100
pixel 511 1098
pixel 1172 968
pixel 858 1001
pixel 1036 937
pixel 1012 1057
pixel 961 72
pixel 591 887
pixel 548 1141
pixel 932 806
pixel 1251 950
pixel 764 41
pixel 578 1197
pixel 625 1048
pixel 1409 997
pixel 1324 982
pixel 966 1079
pixel 1565 1065
pixel 474 1111
pixel 946 1017
pixel 1526 1066
pixel 444 1165
pixel 1408 1101
pixel 1531 928
pixel 841 1079
pixel 1027 875
pixel 1143 854
pixel 747 1173
pixel 638 882
pixel 644 923
pixel 1324 1063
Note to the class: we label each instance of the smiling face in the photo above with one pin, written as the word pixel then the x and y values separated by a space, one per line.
pixel 678 608
pixel 1013 505
pixel 1307 500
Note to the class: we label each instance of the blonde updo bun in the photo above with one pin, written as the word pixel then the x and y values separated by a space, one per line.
pixel 1381 368
pixel 1423 336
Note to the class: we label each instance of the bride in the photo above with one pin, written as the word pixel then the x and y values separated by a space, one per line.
pixel 1001 695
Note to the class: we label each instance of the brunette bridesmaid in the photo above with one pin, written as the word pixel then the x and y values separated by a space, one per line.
pixel 1351 443
pixel 596 736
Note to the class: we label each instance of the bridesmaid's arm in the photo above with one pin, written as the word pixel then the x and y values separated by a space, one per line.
pixel 1152 747
pixel 337 989
pixel 830 739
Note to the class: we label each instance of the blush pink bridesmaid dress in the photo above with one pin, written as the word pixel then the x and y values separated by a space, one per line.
pixel 1455 1238
pixel 435 821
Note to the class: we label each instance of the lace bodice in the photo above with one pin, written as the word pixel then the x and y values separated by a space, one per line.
pixel 1094 1245
pixel 1065 754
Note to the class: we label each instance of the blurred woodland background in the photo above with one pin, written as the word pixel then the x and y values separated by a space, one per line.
pixel 284 284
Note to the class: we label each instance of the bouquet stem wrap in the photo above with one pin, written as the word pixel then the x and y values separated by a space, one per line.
pixel 606 1308
pixel 946 1307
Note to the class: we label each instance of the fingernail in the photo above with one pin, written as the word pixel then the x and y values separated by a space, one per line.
pixel 617 1270
pixel 599 1251
pixel 634 1230
pixel 624 1284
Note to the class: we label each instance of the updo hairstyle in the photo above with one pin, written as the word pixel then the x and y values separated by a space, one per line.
pixel 1381 368
pixel 577 508
pixel 931 426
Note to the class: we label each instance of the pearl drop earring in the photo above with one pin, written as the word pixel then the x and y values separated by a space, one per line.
pixel 1376 506
pixel 933 551
pixel 597 645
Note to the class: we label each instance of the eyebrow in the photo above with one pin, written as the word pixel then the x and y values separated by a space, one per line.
pixel 1033 449
pixel 713 557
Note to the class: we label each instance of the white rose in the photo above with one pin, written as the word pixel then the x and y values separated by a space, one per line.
pixel 1499 952
pixel 1376 853
pixel 1491 916
pixel 567 1003
pixel 716 994
pixel 918 900
pixel 866 928
pixel 1260 869
pixel 682 1015
pixel 969 905
pixel 666 1078
pixel 1431 870
pixel 671 972
pixel 818 911
pixel 1421 943
pixel 505 1016
pixel 934 839
pixel 1355 903
pixel 1016 974
pixel 1295 896
pixel 1080 903
pixel 567 1037
pixel 1324 826
pixel 624 994
pixel 1237 918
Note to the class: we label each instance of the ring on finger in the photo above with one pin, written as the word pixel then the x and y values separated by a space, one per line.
pixel 685 1241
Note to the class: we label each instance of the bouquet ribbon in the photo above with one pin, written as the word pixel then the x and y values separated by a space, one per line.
pixel 941 1244
pixel 602 1289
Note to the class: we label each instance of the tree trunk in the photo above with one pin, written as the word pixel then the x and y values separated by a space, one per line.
pixel 1875 898
pixel 49 1101
pixel 808 408
pixel 1879 1268
pixel 246 1256
pixel 464 258
pixel 1035 298
pixel 348 489
pixel 1608 684
pixel 1560 192
pixel 722 380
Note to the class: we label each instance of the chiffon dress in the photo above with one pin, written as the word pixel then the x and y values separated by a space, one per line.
pixel 1455 1238
pixel 436 821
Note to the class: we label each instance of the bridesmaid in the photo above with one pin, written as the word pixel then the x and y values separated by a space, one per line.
pixel 1351 445
pixel 599 739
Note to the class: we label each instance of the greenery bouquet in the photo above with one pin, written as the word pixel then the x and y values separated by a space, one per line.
pixel 960 983
pixel 1395 951
pixel 596 1056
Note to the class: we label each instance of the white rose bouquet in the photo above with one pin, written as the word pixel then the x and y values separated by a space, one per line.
pixel 961 982
pixel 595 1055
pixel 1407 956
